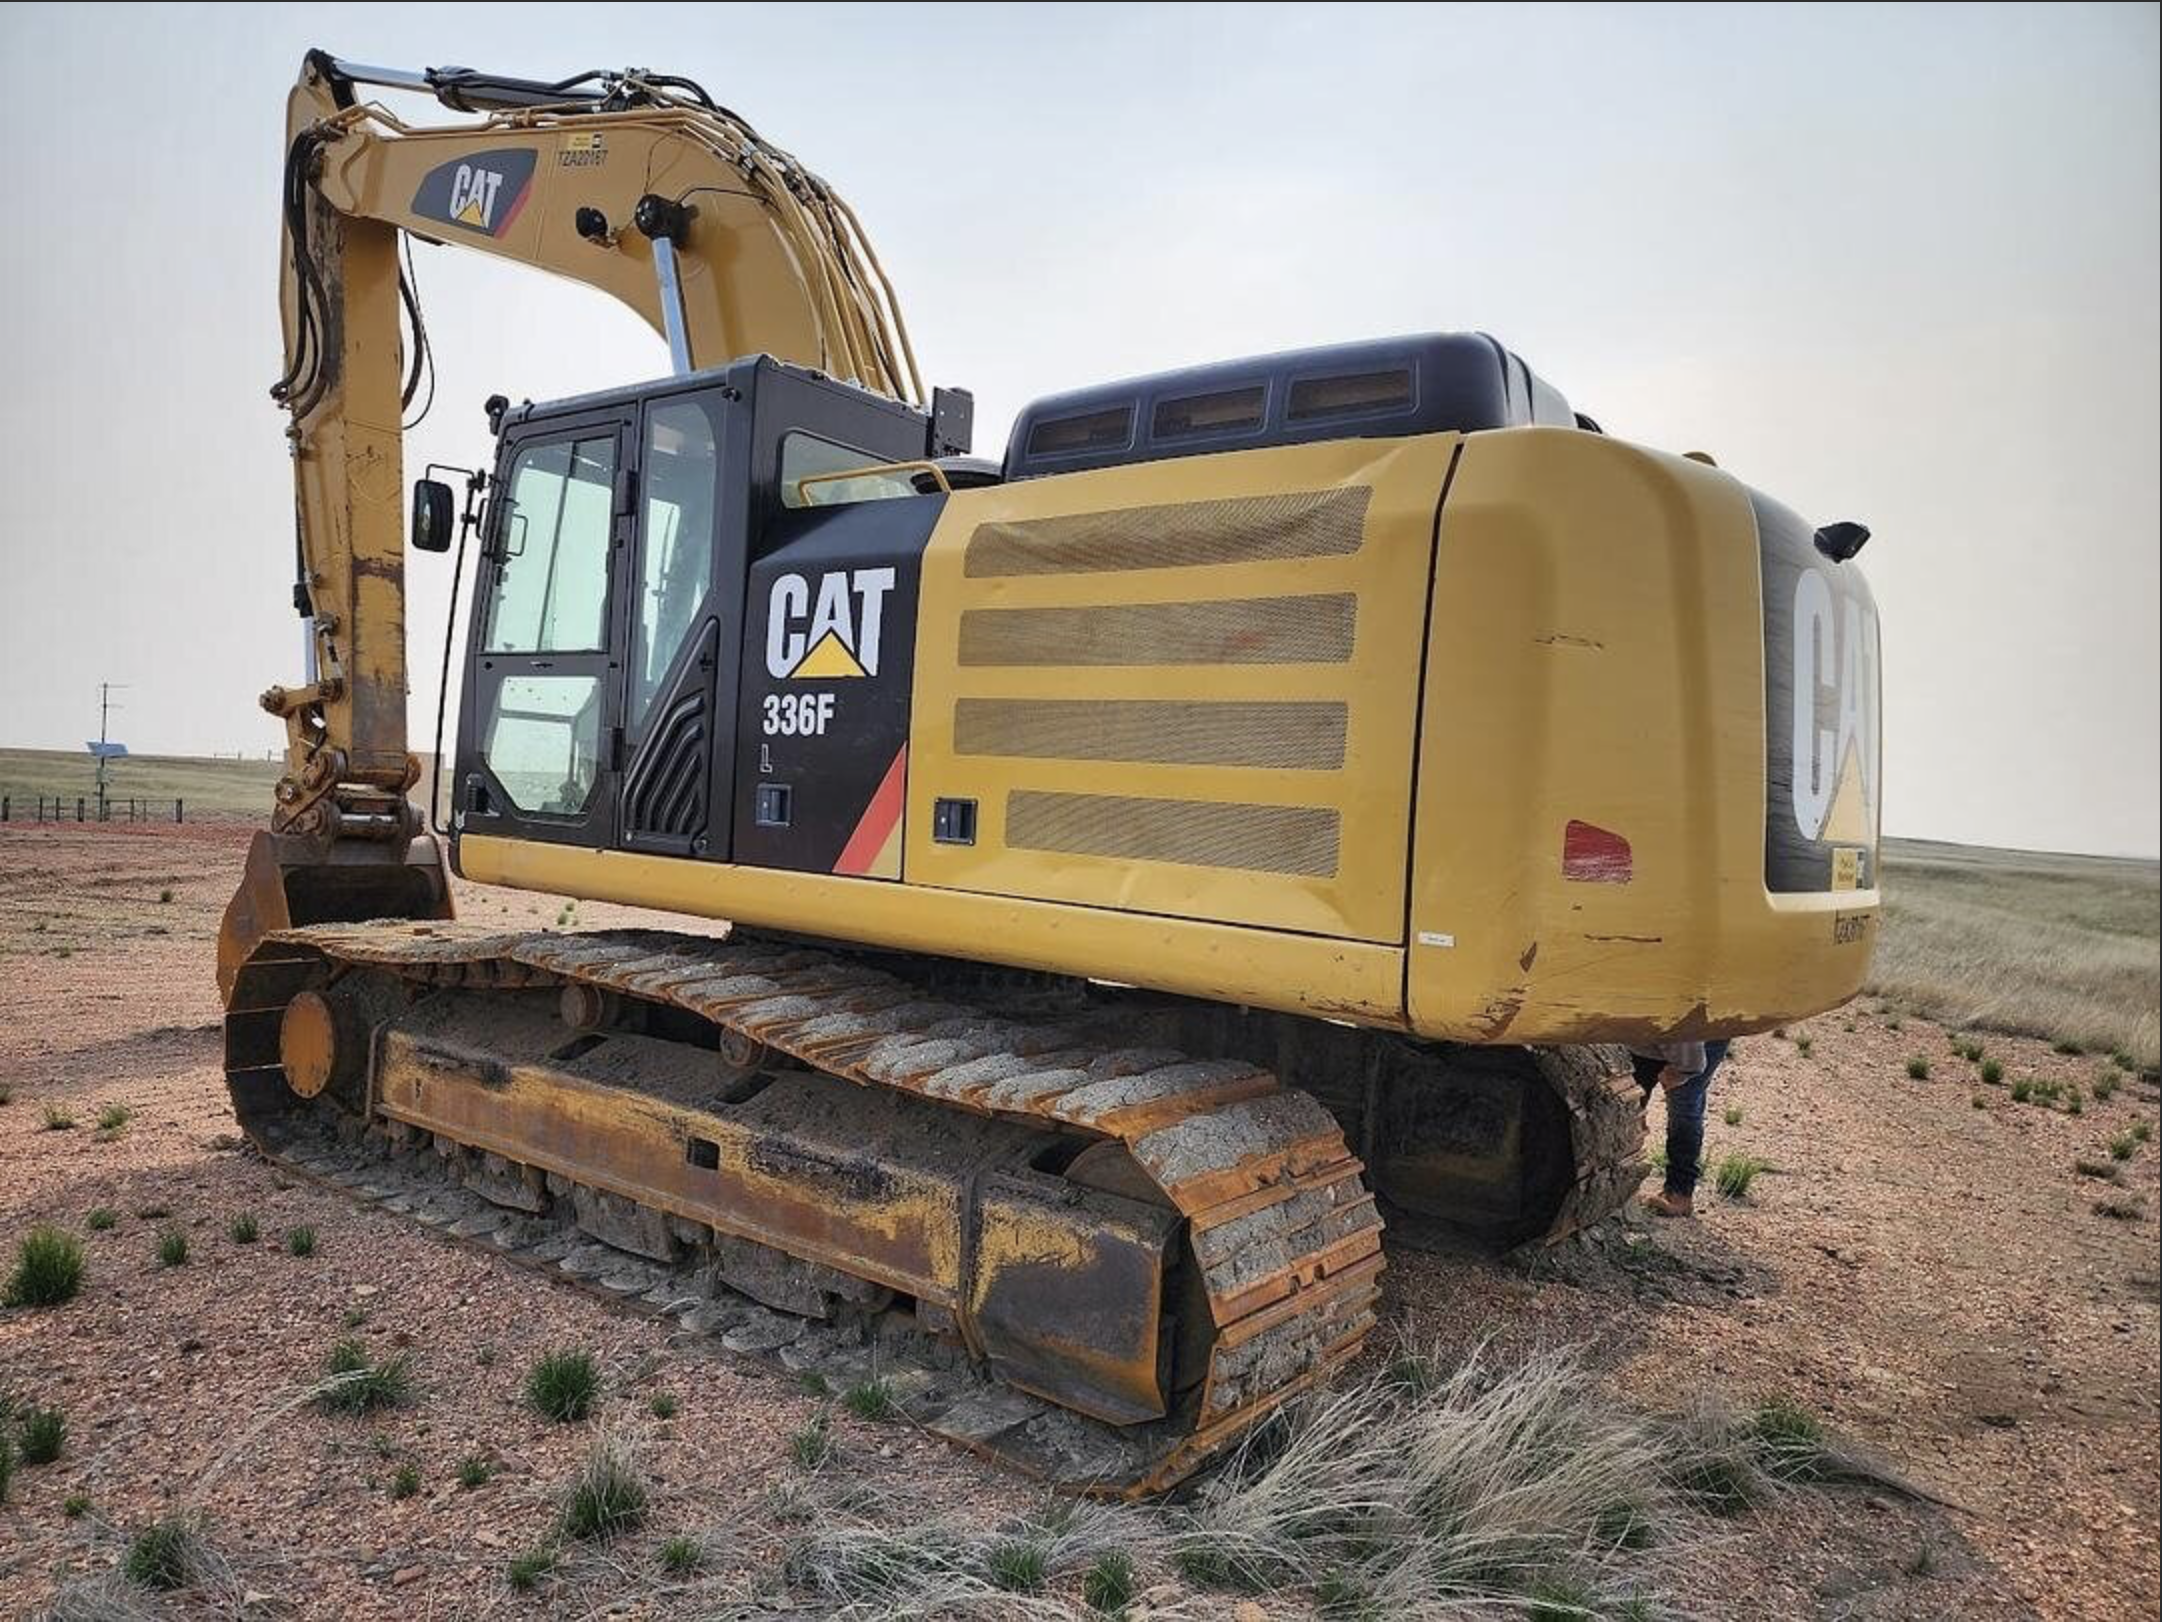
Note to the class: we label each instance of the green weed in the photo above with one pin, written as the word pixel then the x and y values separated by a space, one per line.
pixel 48 1269
pixel 564 1386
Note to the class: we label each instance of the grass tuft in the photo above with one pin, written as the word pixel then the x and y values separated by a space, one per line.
pixel 872 1399
pixel 2022 1092
pixel 242 1230
pixel 1734 1115
pixel 2123 1146
pixel 2105 1087
pixel 1790 1440
pixel 2142 1130
pixel 607 1497
pixel 680 1556
pixel 663 1405
pixel 44 1432
pixel 102 1218
pixel 48 1269
pixel 113 1120
pixel 1803 1045
pixel 564 1386
pixel 355 1384
pixel 164 1556
pixel 1736 1174
pixel 1992 1072
pixel 812 1446
pixel 1016 1568
pixel 172 1247
pixel 2121 1208
pixel 59 1118
pixel 300 1241
pixel 1979 1101
pixel 474 1471
pixel 2069 1048
pixel 2101 1170
pixel 1918 1067
pixel 1108 1586
pixel 525 1571
pixel 405 1481
pixel 75 1506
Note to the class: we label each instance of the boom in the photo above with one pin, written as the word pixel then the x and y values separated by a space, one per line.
pixel 636 184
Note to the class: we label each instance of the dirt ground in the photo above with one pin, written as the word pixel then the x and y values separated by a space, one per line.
pixel 1921 1264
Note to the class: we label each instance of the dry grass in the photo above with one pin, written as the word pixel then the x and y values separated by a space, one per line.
pixel 2059 947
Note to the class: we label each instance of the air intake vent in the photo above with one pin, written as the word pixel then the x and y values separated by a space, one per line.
pixel 664 794
pixel 1244 529
pixel 1306 737
pixel 1314 630
pixel 1291 839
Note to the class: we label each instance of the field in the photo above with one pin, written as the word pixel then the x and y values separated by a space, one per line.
pixel 1944 1262
pixel 2025 942
pixel 209 788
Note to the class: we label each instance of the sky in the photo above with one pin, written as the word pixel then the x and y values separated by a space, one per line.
pixel 1897 264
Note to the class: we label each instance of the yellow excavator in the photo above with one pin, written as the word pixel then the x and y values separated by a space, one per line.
pixel 1264 801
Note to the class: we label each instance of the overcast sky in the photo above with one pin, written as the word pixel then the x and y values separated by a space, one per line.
pixel 1895 264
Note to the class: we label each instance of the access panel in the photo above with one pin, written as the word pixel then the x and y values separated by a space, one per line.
pixel 828 656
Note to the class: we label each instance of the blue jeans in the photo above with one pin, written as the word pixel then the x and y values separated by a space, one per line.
pixel 1685 1123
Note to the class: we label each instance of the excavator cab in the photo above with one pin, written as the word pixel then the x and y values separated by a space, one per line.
pixel 609 626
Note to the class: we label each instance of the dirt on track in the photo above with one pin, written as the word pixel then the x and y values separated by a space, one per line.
pixel 1930 1276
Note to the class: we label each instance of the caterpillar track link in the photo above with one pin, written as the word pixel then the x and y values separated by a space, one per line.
pixel 1096 1259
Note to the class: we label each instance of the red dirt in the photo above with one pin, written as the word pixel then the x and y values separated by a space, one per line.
pixel 1929 1276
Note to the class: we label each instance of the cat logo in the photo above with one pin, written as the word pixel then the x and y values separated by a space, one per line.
pixel 1835 680
pixel 828 631
pixel 483 193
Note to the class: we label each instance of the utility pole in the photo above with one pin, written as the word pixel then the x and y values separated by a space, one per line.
pixel 105 762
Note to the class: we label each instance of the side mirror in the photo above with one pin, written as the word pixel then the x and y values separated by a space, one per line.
pixel 435 515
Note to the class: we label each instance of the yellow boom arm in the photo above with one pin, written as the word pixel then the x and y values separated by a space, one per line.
pixel 632 183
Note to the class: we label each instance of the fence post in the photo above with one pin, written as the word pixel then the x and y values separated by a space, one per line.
pixel 4 808
pixel 176 811
pixel 79 808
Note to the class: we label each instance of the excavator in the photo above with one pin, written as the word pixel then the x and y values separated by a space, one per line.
pixel 1266 802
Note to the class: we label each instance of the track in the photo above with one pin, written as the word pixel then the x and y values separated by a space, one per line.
pixel 830 1099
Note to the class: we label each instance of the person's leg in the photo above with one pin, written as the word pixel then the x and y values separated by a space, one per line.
pixel 1685 1124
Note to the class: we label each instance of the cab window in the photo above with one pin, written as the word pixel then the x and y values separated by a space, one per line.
pixel 805 456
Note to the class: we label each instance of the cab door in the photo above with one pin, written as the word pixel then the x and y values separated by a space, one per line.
pixel 682 585
pixel 538 745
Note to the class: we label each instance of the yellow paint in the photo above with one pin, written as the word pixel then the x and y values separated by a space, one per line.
pixel 1598 653
pixel 1848 817
pixel 1369 791
pixel 1264 968
pixel 887 863
pixel 829 660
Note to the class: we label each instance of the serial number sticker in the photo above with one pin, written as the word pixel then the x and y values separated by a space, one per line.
pixel 1849 927
pixel 1846 868
pixel 1429 937
pixel 581 149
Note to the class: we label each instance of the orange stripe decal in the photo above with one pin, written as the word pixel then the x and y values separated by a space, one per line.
pixel 880 818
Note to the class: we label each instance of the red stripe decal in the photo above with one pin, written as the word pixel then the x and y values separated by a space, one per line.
pixel 878 820
pixel 510 215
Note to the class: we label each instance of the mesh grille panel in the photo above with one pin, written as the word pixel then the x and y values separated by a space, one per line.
pixel 1314 630
pixel 1283 736
pixel 1293 839
pixel 1240 529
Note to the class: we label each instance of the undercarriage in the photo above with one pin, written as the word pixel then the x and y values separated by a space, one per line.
pixel 1094 1234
